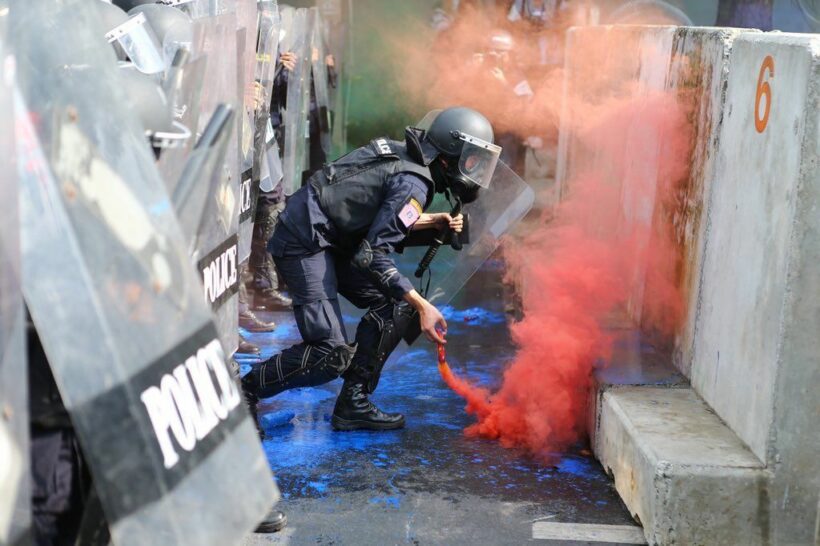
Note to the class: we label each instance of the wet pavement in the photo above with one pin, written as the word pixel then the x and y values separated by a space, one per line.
pixel 427 483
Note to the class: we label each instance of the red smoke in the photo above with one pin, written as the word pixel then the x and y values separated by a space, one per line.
pixel 576 274
pixel 595 263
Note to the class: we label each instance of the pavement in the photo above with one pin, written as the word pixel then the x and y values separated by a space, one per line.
pixel 428 483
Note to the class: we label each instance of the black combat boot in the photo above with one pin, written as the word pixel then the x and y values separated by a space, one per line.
pixel 354 411
pixel 252 400
pixel 264 285
pixel 274 522
pixel 250 322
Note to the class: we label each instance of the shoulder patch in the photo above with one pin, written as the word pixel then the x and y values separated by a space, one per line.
pixel 410 213
pixel 383 147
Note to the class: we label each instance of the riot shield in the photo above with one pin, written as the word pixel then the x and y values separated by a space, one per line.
pixel 267 166
pixel 196 195
pixel 246 36
pixel 335 30
pixel 267 51
pixel 296 39
pixel 184 88
pixel 498 209
pixel 15 501
pixel 319 70
pixel 116 303
pixel 217 238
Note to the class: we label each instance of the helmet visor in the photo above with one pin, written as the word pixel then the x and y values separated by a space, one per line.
pixel 140 44
pixel 427 121
pixel 478 160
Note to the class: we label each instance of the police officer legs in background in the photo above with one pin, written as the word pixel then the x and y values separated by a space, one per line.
pixel 265 290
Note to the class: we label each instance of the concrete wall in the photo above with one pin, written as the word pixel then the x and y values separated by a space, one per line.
pixel 757 342
pixel 698 71
pixel 745 277
pixel 747 229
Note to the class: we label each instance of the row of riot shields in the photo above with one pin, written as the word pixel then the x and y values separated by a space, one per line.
pixel 311 96
pixel 123 236
pixel 232 62
pixel 117 248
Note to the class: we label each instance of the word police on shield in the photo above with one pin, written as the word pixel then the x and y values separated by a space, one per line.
pixel 190 402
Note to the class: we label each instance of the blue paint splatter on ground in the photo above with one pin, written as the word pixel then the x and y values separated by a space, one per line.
pixel 391 502
pixel 474 316
pixel 577 466
pixel 432 454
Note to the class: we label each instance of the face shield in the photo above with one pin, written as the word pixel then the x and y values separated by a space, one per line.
pixel 428 120
pixel 139 43
pixel 478 160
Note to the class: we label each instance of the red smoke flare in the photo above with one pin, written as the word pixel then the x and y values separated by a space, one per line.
pixel 576 273
pixel 601 259
pixel 594 262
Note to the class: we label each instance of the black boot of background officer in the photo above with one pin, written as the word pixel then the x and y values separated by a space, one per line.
pixel 247 318
pixel 264 286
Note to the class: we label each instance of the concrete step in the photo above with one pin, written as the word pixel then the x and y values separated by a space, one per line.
pixel 683 474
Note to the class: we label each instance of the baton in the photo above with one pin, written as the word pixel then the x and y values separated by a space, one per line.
pixel 432 250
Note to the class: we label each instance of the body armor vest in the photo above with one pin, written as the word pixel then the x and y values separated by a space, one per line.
pixel 351 189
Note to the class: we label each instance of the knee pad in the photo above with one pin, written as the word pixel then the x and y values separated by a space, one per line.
pixel 378 334
pixel 300 366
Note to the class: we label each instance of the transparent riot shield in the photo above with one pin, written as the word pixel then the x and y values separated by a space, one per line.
pixel 296 39
pixel 267 166
pixel 319 69
pixel 336 32
pixel 267 51
pixel 15 500
pixel 218 233
pixel 117 304
pixel 246 38
pixel 184 88
pixel 498 209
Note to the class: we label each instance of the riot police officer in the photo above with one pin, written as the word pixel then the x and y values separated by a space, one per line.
pixel 334 238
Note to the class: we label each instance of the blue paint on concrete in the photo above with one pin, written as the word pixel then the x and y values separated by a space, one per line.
pixel 474 316
pixel 431 456
pixel 391 502
pixel 578 466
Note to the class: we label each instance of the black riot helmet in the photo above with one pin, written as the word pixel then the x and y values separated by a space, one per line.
pixel 467 155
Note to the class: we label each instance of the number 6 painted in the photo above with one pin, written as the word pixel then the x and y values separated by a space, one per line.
pixel 763 88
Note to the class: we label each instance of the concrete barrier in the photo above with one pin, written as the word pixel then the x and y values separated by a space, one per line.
pixel 757 340
pixel 684 475
pixel 735 459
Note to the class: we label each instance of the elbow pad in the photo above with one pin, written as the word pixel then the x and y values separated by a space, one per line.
pixel 364 256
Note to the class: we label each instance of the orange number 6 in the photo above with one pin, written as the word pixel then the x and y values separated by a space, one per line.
pixel 763 88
